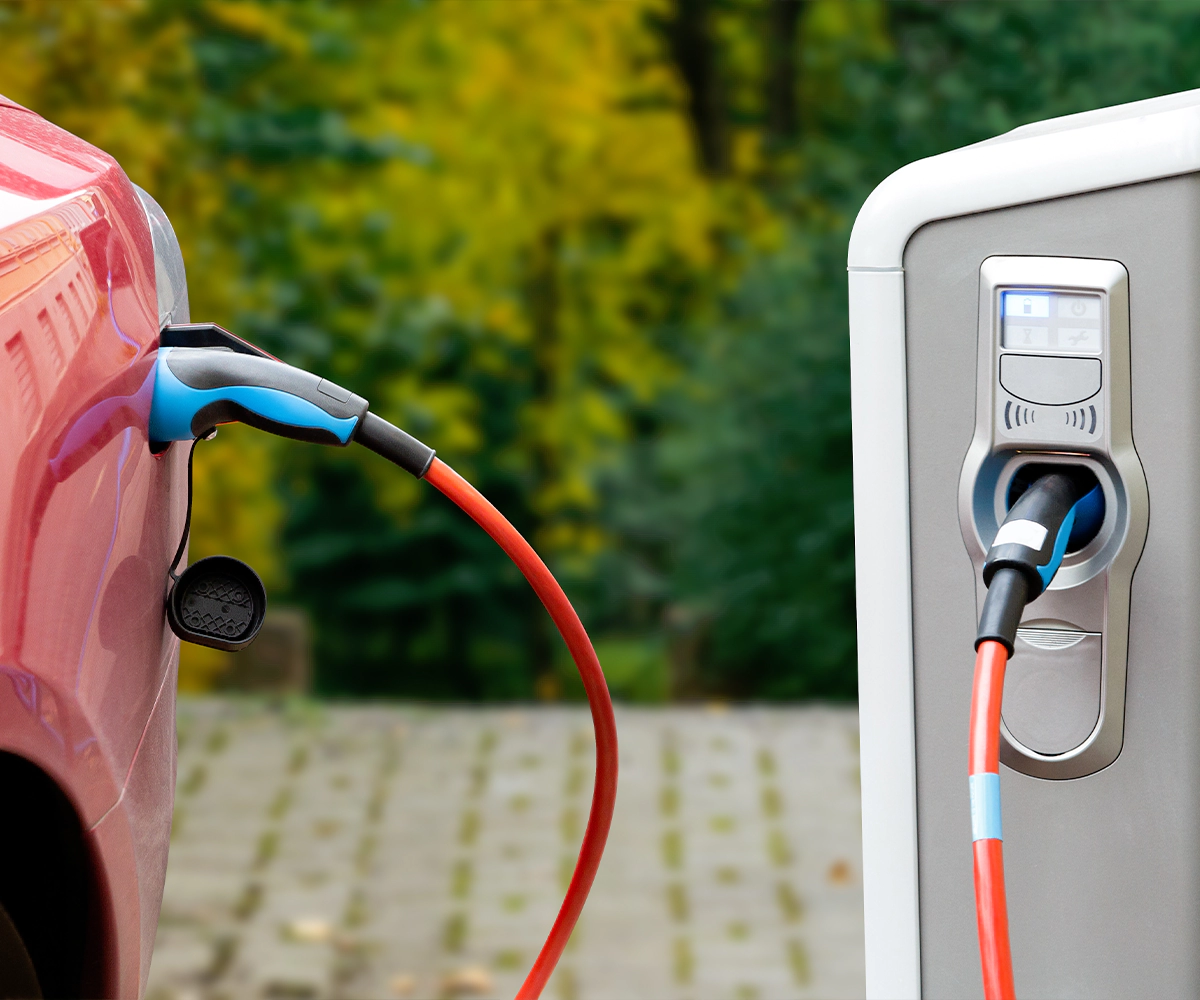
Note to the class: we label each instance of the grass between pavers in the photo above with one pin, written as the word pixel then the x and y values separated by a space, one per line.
pixel 415 850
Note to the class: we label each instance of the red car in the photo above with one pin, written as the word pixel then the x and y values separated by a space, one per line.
pixel 90 272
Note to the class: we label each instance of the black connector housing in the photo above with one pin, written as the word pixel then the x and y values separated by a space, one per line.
pixel 1027 553
pixel 1046 504
pixel 207 335
pixel 1002 608
pixel 395 445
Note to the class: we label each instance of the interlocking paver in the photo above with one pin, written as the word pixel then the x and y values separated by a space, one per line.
pixel 377 851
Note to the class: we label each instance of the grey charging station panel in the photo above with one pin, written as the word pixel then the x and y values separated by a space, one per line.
pixel 1103 873
pixel 1052 390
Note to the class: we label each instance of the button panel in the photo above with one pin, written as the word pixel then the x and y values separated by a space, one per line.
pixel 1050 353
pixel 1052 321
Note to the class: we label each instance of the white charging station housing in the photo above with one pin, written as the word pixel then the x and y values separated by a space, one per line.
pixel 1103 875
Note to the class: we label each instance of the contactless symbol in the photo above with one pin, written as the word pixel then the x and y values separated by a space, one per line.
pixel 1015 416
pixel 1079 419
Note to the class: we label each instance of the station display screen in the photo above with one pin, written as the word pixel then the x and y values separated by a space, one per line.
pixel 1054 322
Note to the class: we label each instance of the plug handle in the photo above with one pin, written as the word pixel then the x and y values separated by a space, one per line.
pixel 197 388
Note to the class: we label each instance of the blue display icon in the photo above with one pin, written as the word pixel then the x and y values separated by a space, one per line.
pixel 1035 305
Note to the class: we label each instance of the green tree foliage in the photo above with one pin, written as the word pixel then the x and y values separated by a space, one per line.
pixel 594 254
pixel 743 543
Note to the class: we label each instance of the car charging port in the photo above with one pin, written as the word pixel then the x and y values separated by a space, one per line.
pixel 1089 514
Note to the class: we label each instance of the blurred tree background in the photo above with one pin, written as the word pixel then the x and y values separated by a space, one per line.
pixel 593 252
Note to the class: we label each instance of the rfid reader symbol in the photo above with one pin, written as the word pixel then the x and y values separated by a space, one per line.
pixel 1015 416
pixel 1079 419
pixel 1082 419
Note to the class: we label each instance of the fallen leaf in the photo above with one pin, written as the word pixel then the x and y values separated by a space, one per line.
pixel 839 872
pixel 309 930
pixel 402 984
pixel 469 982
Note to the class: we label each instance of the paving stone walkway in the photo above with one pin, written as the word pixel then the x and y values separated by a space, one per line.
pixel 384 851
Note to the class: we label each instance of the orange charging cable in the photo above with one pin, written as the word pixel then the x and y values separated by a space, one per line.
pixel 604 794
pixel 991 908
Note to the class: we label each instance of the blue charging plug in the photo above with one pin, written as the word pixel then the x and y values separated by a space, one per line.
pixel 196 388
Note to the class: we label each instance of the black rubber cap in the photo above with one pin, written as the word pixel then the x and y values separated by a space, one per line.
pixel 218 602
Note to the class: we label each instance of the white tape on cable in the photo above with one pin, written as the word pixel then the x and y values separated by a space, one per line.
pixel 1021 532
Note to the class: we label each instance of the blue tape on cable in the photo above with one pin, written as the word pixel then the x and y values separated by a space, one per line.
pixel 985 806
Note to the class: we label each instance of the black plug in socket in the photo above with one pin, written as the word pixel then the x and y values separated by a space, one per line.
pixel 218 602
pixel 1090 512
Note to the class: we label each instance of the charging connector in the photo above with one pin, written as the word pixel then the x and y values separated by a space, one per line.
pixel 1026 553
pixel 1089 511
pixel 205 376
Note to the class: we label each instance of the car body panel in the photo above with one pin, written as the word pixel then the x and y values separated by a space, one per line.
pixel 89 517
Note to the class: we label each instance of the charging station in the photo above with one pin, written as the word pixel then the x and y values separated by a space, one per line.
pixel 1028 303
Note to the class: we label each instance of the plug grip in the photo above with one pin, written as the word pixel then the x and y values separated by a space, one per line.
pixel 196 388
